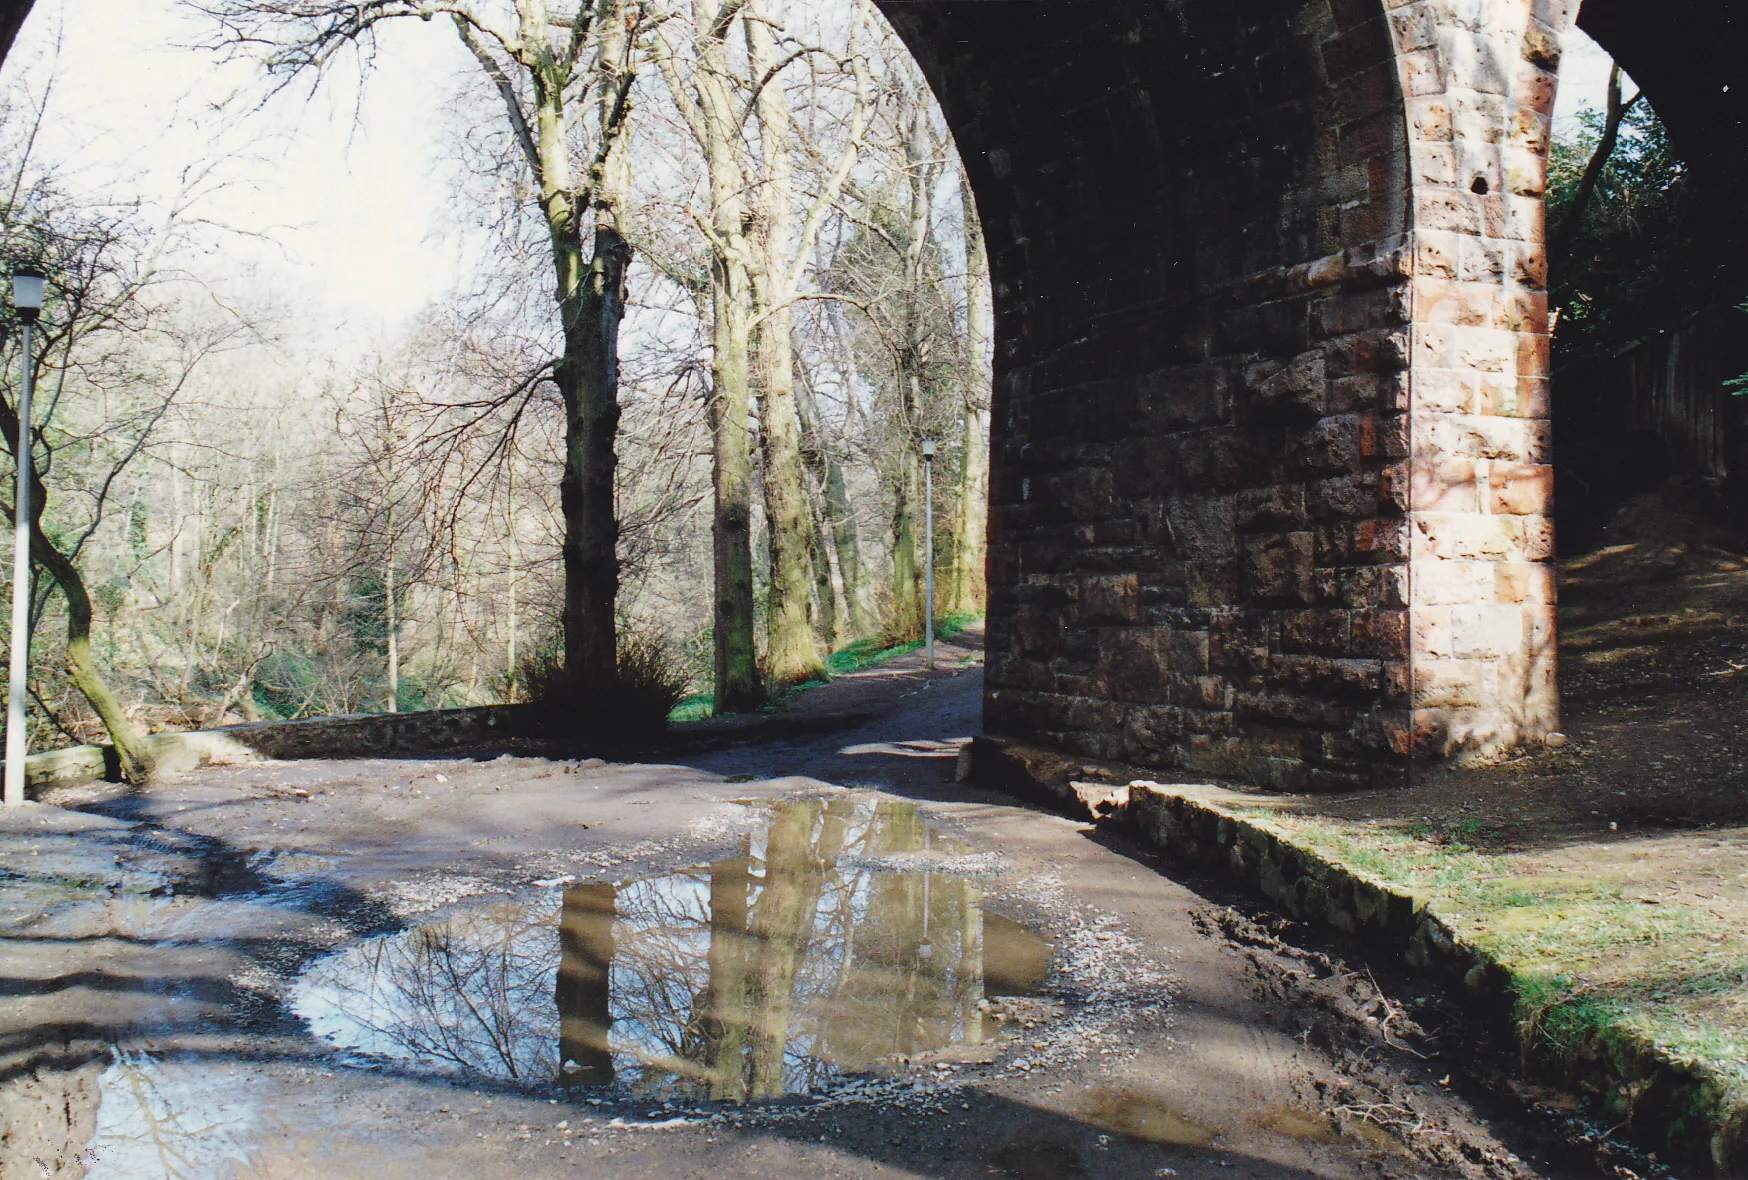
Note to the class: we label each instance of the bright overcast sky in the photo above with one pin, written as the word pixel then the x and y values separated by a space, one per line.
pixel 1583 80
pixel 355 207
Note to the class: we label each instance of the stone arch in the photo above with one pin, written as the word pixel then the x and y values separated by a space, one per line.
pixel 1270 480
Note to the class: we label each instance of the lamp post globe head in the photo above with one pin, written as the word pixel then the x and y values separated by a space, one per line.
pixel 27 292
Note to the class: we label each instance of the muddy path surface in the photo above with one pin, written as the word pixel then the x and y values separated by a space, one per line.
pixel 807 957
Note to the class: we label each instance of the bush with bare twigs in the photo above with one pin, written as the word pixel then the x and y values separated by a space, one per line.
pixel 633 708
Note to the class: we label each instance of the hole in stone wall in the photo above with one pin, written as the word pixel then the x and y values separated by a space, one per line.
pixel 1480 186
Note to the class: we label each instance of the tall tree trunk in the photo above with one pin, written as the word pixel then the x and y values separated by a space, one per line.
pixel 846 535
pixel 833 622
pixel 591 299
pixel 966 594
pixel 512 527
pixel 737 668
pixel 791 655
pixel 394 624
pixel 907 574
pixel 589 381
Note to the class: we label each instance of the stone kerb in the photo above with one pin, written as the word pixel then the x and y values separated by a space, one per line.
pixel 1478 79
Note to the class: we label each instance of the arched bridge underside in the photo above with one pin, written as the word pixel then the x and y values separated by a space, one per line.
pixel 1271 483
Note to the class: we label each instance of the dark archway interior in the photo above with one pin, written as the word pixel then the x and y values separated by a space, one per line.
pixel 1689 57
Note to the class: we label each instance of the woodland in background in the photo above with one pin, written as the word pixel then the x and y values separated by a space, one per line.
pixel 769 201
pixel 1633 257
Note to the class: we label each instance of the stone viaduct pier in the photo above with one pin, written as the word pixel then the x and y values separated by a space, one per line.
pixel 1271 475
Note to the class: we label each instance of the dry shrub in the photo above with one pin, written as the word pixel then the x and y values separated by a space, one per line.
pixel 633 708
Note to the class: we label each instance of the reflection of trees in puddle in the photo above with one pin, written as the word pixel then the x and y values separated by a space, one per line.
pixel 159 1118
pixel 765 973
pixel 472 991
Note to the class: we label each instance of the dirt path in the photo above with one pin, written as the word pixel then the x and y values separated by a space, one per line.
pixel 158 947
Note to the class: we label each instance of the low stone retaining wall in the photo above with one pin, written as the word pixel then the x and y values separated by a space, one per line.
pixel 384 735
pixel 360 735
pixel 1693 1118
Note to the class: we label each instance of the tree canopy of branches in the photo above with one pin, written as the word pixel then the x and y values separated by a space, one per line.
pixel 565 79
pixel 1633 257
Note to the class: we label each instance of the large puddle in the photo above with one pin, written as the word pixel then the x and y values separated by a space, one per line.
pixel 838 940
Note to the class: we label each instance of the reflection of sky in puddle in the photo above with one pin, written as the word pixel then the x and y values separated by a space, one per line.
pixel 772 972
pixel 162 1119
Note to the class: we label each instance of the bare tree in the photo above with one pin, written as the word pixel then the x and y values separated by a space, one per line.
pixel 552 69
pixel 113 358
pixel 715 115
pixel 791 652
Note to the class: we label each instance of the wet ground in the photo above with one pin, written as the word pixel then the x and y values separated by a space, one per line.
pixel 811 957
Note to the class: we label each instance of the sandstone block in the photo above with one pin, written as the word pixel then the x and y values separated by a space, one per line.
pixel 1446 684
pixel 1520 488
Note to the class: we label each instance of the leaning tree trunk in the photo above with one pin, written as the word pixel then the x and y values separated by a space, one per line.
pixel 1560 241
pixel 133 759
pixel 791 655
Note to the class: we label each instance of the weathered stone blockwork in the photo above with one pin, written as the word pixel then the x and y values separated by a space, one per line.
pixel 1478 84
pixel 1270 470
pixel 1200 469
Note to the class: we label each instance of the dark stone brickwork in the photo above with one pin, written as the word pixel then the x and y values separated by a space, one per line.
pixel 1197 218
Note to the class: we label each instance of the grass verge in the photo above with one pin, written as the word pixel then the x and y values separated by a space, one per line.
pixel 1637 1001
pixel 1588 957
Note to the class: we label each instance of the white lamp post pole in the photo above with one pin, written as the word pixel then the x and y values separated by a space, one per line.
pixel 929 552
pixel 27 289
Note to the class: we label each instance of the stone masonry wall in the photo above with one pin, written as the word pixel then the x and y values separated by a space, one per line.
pixel 1270 472
pixel 1198 221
